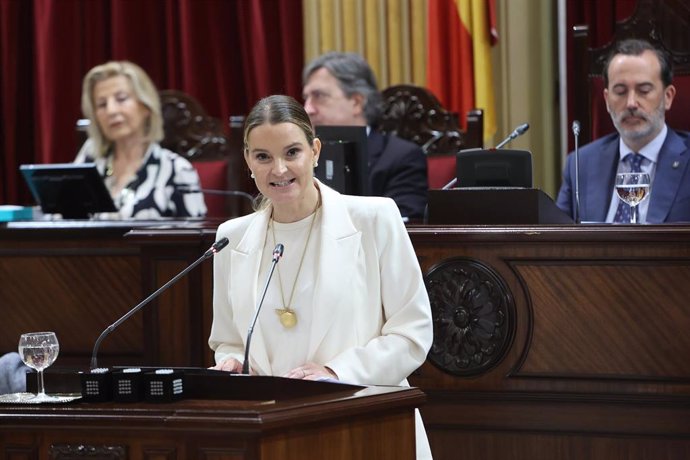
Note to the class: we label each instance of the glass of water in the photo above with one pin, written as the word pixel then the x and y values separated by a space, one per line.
pixel 39 350
pixel 632 188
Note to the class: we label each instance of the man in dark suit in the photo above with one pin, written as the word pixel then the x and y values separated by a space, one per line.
pixel 638 91
pixel 340 89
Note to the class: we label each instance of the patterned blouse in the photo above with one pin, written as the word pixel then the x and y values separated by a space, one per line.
pixel 166 185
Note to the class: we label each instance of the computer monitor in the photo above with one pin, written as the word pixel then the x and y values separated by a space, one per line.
pixel 344 161
pixel 494 168
pixel 74 190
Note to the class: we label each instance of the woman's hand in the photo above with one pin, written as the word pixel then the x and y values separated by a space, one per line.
pixel 311 371
pixel 229 365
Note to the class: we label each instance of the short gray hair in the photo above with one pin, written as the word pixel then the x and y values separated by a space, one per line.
pixel 354 76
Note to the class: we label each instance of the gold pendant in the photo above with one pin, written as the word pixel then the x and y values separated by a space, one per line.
pixel 288 318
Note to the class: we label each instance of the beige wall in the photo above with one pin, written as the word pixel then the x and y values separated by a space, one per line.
pixel 526 81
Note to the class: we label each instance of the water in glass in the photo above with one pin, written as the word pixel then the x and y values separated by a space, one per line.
pixel 39 350
pixel 632 188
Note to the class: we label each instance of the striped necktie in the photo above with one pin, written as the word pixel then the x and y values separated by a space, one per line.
pixel 623 211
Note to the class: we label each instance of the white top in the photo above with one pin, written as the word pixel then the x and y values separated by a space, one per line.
pixel 285 349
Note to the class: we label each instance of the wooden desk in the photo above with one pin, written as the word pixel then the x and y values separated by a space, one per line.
pixel 372 423
pixel 76 278
pixel 551 342
pixel 557 342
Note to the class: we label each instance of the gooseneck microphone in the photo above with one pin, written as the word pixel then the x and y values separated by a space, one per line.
pixel 214 249
pixel 519 131
pixel 277 254
pixel 576 135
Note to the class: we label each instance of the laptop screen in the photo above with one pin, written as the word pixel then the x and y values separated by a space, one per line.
pixel 75 190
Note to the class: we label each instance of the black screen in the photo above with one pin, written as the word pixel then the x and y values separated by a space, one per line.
pixel 74 190
pixel 344 160
pixel 494 168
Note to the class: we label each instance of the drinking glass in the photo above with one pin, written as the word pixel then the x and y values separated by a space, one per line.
pixel 39 350
pixel 632 188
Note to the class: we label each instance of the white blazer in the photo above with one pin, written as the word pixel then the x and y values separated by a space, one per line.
pixel 373 322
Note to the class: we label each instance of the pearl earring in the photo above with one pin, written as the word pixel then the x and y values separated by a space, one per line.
pixel 316 163
pixel 252 176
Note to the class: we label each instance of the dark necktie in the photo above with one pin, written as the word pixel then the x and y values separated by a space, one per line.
pixel 623 212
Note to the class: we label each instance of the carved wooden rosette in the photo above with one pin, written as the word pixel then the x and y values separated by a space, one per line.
pixel 474 316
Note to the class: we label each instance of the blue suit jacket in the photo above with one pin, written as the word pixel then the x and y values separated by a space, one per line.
pixel 397 170
pixel 670 192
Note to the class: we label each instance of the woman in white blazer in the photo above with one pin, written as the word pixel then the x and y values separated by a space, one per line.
pixel 347 300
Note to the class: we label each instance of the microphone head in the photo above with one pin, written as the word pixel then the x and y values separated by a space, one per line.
pixel 520 130
pixel 576 127
pixel 220 244
pixel 278 252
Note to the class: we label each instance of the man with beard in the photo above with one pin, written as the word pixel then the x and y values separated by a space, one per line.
pixel 638 91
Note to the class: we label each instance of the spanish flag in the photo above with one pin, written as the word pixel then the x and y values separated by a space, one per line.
pixel 460 36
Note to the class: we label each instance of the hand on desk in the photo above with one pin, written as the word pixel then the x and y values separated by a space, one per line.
pixel 307 371
pixel 311 371
pixel 229 365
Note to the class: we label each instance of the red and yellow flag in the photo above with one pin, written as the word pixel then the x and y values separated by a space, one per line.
pixel 460 36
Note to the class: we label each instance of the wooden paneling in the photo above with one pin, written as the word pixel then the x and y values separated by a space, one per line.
pixel 74 281
pixel 623 335
pixel 592 321
pixel 344 423
pixel 597 363
pixel 78 278
pixel 178 322
pixel 512 445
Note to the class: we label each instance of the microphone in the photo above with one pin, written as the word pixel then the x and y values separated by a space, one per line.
pixel 277 254
pixel 519 131
pixel 214 249
pixel 576 135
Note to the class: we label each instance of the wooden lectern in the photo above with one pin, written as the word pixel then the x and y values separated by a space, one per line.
pixel 259 418
pixel 493 206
